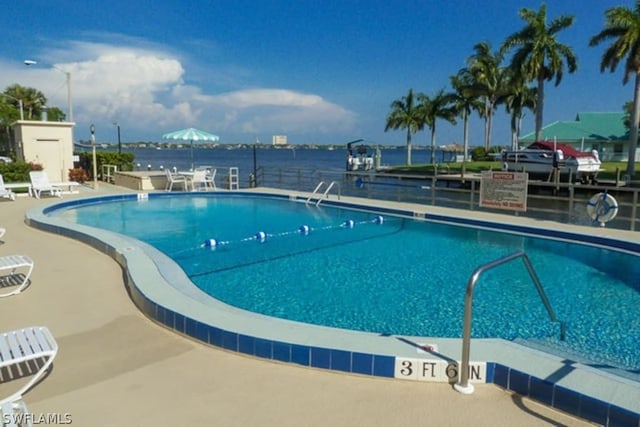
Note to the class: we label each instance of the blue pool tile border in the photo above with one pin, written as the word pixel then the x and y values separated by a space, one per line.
pixel 538 389
pixel 563 399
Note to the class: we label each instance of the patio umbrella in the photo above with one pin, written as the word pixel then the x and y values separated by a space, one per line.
pixel 191 134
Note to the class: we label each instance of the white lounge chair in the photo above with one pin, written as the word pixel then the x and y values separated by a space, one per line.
pixel 175 178
pixel 25 352
pixel 6 192
pixel 14 414
pixel 16 282
pixel 40 183
pixel 2 231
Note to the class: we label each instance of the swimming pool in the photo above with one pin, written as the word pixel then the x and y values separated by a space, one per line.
pixel 385 273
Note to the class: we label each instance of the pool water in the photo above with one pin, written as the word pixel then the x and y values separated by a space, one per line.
pixel 386 274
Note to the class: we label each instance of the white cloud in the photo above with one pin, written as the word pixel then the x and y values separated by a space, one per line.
pixel 144 89
pixel 280 110
pixel 274 97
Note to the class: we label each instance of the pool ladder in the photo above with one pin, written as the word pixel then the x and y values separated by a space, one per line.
pixel 463 385
pixel 326 191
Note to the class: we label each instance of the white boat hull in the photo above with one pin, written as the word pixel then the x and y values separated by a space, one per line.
pixel 545 162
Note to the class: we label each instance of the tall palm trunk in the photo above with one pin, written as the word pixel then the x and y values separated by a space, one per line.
pixel 465 135
pixel 486 124
pixel 539 106
pixel 489 127
pixel 408 146
pixel 633 131
pixel 516 139
pixel 514 131
pixel 433 144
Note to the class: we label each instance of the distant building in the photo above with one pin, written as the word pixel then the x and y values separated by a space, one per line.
pixel 604 132
pixel 279 139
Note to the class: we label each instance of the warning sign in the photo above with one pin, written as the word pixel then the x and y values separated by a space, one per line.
pixel 504 190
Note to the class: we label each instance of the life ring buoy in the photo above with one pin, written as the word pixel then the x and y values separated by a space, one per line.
pixel 602 207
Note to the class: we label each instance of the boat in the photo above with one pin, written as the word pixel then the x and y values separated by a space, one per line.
pixel 361 157
pixel 544 158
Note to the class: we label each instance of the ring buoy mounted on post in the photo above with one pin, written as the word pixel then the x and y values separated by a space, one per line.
pixel 602 208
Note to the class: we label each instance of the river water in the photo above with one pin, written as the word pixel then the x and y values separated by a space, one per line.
pixel 243 159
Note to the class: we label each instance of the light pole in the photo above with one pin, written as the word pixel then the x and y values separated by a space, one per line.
pixel 19 104
pixel 29 62
pixel 95 165
pixel 119 143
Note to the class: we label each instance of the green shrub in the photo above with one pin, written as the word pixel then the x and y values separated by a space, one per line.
pixel 478 154
pixel 18 171
pixel 124 161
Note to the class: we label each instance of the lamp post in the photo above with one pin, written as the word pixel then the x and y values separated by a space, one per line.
pixel 19 104
pixel 119 143
pixel 95 165
pixel 29 62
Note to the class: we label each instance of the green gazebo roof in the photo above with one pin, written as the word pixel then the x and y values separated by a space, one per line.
pixel 588 126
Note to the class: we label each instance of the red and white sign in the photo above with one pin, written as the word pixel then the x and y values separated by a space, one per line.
pixel 504 190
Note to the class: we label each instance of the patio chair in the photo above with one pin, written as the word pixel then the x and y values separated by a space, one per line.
pixel 25 352
pixel 175 178
pixel 14 414
pixel 40 183
pixel 6 192
pixel 210 180
pixel 17 282
pixel 202 181
pixel 2 231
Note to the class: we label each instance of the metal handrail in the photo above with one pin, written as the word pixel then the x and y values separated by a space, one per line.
pixel 463 385
pixel 326 192
pixel 320 184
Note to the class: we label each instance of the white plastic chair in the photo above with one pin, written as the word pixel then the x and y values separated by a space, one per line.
pixel 6 192
pixel 14 281
pixel 202 180
pixel 40 183
pixel 22 352
pixel 210 179
pixel 16 414
pixel 175 178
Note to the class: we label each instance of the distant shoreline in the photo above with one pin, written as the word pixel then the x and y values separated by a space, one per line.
pixel 187 145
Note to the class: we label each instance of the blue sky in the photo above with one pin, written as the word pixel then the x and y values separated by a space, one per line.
pixel 316 71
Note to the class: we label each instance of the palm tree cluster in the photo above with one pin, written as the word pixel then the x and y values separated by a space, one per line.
pixel 536 57
pixel 622 25
pixel 32 101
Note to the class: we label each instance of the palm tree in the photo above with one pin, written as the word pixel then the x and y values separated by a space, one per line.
pixel 539 55
pixel 488 76
pixel 55 114
pixel 463 102
pixel 32 99
pixel 405 115
pixel 432 109
pixel 516 98
pixel 622 24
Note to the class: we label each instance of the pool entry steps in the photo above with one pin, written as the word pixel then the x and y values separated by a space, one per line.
pixel 325 194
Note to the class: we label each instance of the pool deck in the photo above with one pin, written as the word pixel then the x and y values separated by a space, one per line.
pixel 117 367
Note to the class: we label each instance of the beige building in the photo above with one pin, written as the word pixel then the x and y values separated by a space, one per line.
pixel 279 139
pixel 49 144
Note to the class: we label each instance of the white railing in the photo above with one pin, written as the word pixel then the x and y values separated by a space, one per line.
pixel 561 202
